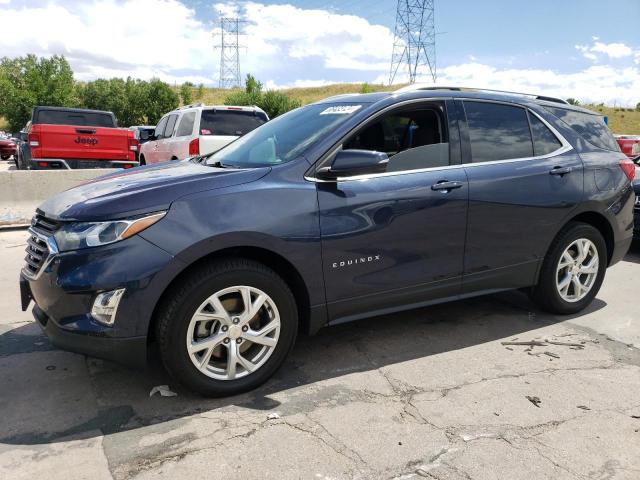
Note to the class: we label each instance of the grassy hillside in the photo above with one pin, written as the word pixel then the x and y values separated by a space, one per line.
pixel 620 120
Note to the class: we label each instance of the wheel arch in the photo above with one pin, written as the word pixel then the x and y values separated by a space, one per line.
pixel 269 258
pixel 600 223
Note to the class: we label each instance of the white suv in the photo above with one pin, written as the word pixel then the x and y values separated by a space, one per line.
pixel 197 130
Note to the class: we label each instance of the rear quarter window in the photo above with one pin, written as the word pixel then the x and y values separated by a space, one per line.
pixel 589 126
pixel 230 122
pixel 83 119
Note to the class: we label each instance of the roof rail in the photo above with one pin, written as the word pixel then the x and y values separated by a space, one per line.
pixel 192 105
pixel 418 86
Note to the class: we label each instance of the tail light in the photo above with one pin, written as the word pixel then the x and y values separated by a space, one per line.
pixel 34 140
pixel 635 149
pixel 133 144
pixel 194 147
pixel 629 168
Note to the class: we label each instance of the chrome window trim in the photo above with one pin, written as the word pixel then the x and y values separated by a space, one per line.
pixel 566 147
pixel 53 251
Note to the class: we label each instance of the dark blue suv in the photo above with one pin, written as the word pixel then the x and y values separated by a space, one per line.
pixel 355 206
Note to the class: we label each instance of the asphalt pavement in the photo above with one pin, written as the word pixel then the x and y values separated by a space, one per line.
pixel 431 393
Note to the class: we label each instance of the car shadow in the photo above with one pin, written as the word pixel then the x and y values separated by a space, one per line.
pixel 101 398
pixel 633 255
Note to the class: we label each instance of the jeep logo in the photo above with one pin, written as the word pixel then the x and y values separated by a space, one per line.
pixel 86 141
pixel 355 261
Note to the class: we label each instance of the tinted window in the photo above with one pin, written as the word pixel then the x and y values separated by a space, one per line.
pixel 590 127
pixel 171 124
pixel 544 141
pixel 498 132
pixel 185 127
pixel 89 119
pixel 287 137
pixel 230 122
pixel 412 139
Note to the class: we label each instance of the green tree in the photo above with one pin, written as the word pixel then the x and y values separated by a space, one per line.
pixel 186 93
pixel 572 101
pixel 272 102
pixel 160 98
pixel 200 92
pixel 638 107
pixel 29 81
pixel 125 98
pixel 276 103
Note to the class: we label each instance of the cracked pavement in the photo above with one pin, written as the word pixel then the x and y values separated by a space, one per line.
pixel 431 393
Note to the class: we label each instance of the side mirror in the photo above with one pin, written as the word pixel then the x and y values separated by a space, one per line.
pixel 348 163
pixel 144 135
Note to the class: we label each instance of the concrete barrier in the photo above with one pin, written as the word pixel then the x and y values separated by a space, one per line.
pixel 21 191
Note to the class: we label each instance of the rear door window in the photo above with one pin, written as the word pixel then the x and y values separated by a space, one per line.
pixel 171 125
pixel 83 119
pixel 230 122
pixel 591 127
pixel 544 141
pixel 185 128
pixel 498 131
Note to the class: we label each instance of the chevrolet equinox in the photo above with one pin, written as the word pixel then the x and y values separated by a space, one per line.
pixel 355 206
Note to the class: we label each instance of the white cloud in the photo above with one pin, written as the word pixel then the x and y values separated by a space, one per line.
pixel 142 38
pixel 612 50
pixel 4 2
pixel 598 83
pixel 334 41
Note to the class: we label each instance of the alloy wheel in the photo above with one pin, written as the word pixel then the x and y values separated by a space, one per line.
pixel 577 270
pixel 233 332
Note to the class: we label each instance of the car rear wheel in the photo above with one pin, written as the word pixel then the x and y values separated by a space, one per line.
pixel 228 327
pixel 142 160
pixel 573 270
pixel 5 157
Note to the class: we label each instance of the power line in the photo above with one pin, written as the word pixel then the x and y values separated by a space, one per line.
pixel 230 31
pixel 414 44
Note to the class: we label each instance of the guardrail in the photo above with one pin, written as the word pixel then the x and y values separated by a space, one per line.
pixel 21 191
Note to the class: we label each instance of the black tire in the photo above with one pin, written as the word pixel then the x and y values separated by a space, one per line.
pixel 142 160
pixel 545 294
pixel 180 304
pixel 5 157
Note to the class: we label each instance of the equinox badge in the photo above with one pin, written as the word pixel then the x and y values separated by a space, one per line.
pixel 356 261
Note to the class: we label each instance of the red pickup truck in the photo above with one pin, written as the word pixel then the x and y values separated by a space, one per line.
pixel 65 138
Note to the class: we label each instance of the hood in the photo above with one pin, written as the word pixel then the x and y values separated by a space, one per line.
pixel 141 190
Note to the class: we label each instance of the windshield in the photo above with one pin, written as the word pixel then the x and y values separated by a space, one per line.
pixel 284 138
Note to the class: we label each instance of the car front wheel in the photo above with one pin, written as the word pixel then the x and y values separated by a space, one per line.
pixel 573 270
pixel 227 328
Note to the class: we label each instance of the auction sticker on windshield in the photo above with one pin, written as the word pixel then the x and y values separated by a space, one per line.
pixel 340 110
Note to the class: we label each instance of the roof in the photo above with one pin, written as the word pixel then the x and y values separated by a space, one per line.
pixel 456 92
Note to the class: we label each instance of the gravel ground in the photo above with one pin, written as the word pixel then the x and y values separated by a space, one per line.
pixel 431 393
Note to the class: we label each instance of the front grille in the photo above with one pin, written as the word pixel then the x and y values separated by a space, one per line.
pixel 37 252
pixel 41 246
pixel 44 225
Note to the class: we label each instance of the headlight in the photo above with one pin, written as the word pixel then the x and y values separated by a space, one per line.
pixel 73 236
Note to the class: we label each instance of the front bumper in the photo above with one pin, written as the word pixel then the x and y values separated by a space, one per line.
pixel 73 164
pixel 64 291
pixel 131 351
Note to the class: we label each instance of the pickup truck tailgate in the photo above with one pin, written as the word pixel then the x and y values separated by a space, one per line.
pixel 79 142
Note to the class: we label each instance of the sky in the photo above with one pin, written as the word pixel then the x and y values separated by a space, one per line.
pixel 585 49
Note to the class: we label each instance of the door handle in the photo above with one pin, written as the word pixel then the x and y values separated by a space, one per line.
pixel 446 185
pixel 560 171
